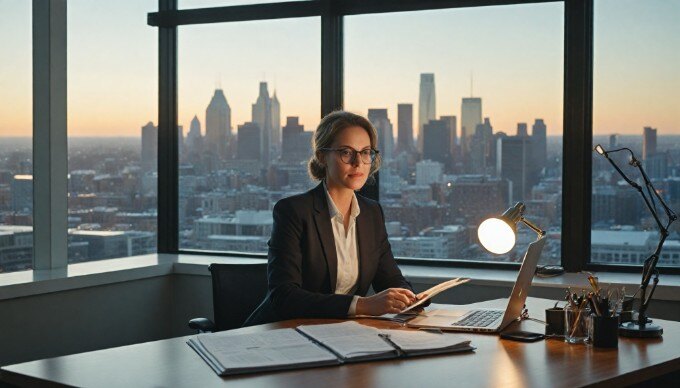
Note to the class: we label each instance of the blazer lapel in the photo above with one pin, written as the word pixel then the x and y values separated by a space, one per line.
pixel 324 228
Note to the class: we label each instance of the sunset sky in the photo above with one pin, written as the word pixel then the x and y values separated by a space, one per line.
pixel 514 54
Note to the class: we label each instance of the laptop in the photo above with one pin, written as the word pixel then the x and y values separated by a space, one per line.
pixel 488 320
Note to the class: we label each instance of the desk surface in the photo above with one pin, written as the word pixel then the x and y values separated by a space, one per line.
pixel 496 362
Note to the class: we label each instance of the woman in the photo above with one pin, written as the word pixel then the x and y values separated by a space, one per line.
pixel 329 245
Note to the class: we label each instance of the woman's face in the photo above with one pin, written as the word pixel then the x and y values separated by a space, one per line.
pixel 342 175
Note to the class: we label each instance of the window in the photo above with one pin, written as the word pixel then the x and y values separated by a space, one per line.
pixel 249 100
pixel 468 107
pixel 112 108
pixel 16 152
pixel 636 94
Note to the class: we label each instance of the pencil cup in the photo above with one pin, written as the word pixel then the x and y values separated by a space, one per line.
pixel 576 324
pixel 605 331
pixel 554 319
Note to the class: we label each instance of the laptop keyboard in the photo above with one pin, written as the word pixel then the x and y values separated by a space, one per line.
pixel 480 318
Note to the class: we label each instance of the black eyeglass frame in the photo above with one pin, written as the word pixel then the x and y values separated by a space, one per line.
pixel 373 155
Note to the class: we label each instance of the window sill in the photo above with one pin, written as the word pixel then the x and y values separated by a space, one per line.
pixel 97 273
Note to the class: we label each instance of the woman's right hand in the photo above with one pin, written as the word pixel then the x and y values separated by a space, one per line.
pixel 389 301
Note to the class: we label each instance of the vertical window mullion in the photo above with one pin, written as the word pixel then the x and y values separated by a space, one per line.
pixel 50 163
pixel 578 135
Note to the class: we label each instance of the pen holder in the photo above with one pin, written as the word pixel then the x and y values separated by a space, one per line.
pixel 576 324
pixel 554 319
pixel 604 331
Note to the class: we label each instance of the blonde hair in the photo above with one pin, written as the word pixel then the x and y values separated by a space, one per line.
pixel 329 128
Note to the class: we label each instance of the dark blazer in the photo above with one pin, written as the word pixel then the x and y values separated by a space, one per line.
pixel 302 269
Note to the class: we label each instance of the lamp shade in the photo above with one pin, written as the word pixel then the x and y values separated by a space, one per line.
pixel 497 235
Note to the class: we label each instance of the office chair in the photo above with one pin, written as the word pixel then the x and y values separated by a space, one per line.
pixel 237 291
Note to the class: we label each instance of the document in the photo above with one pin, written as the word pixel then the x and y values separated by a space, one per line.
pixel 230 353
pixel 432 292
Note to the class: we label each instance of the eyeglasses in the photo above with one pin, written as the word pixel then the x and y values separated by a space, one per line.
pixel 349 155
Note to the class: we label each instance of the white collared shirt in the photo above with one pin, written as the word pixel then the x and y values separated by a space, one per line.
pixel 346 249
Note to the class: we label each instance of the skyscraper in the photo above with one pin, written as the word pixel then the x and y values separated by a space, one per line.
pixel 262 116
pixel 522 129
pixel 426 105
pixel 194 138
pixel 382 124
pixel 149 147
pixel 515 164
pixel 452 124
pixel 276 124
pixel 405 128
pixel 436 140
pixel 538 135
pixel 648 142
pixel 470 117
pixel 218 124
pixel 295 142
pixel 481 147
pixel 249 144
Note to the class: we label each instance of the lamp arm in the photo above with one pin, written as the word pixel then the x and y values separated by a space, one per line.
pixel 533 227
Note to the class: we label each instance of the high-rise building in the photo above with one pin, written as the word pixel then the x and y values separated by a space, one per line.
pixel 22 193
pixel 149 147
pixel 613 141
pixel 194 138
pixel 540 143
pixel 405 128
pixel 276 124
pixel 382 124
pixel 516 164
pixel 426 105
pixel 452 124
pixel 481 148
pixel 436 141
pixel 262 116
pixel 470 117
pixel 218 125
pixel 522 129
pixel 428 171
pixel 648 142
pixel 180 139
pixel 295 142
pixel 249 143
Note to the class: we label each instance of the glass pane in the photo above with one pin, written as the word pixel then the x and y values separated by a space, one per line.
pixel 16 131
pixel 635 105
pixel 250 100
pixel 112 106
pixel 468 107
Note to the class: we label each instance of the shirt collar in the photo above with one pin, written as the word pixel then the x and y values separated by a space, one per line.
pixel 333 210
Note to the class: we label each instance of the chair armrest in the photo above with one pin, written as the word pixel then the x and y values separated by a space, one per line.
pixel 203 325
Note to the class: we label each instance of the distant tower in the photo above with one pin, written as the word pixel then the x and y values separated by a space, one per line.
pixel 452 123
pixel 648 142
pixel 194 138
pixel 405 128
pixel 382 124
pixel 262 116
pixel 426 104
pixel 539 137
pixel 218 124
pixel 470 118
pixel 276 124
pixel 149 147
pixel 248 142
pixel 522 129
pixel 436 140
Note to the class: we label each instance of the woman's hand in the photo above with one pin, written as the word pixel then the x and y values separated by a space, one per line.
pixel 390 301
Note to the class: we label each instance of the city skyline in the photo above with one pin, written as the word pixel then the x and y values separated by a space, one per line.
pixel 630 91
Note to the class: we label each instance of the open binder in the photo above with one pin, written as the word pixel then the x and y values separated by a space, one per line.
pixel 317 345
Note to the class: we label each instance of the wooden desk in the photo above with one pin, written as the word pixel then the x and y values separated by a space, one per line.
pixel 495 363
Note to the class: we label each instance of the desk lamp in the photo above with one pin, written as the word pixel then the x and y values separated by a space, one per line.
pixel 498 234
pixel 644 327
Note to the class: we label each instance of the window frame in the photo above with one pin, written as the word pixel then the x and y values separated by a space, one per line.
pixel 577 107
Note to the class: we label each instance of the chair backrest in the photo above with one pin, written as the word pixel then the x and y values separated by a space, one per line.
pixel 237 291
